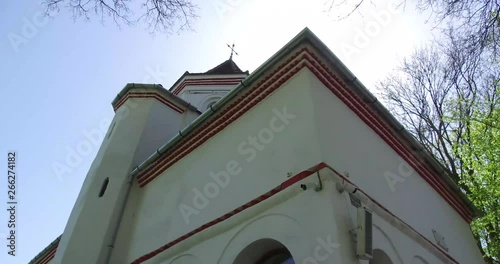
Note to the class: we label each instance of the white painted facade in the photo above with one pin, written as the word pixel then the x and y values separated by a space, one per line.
pixel 301 137
pixel 202 96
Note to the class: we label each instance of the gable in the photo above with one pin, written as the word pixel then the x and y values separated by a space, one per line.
pixel 305 51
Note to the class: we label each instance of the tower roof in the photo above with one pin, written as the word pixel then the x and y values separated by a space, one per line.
pixel 227 67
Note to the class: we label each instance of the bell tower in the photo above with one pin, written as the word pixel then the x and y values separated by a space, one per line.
pixel 204 89
pixel 146 116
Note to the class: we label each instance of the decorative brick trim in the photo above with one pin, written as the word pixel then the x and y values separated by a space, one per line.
pixel 213 81
pixel 156 96
pixel 304 58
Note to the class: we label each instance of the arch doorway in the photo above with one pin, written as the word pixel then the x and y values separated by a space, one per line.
pixel 265 251
pixel 380 257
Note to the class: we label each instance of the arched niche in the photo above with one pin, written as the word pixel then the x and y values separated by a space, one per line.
pixel 383 242
pixel 276 227
pixel 186 259
pixel 418 260
pixel 265 251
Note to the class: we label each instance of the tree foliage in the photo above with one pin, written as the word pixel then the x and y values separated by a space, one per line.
pixel 447 96
pixel 441 78
pixel 159 15
pixel 481 155
pixel 449 99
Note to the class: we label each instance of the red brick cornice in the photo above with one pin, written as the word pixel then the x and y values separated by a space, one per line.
pixel 305 58
pixel 154 95
pixel 207 81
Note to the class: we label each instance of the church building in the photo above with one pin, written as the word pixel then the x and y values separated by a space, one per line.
pixel 296 162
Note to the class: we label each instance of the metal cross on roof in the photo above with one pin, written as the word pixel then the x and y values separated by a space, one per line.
pixel 232 51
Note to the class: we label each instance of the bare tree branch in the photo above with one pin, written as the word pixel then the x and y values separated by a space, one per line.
pixel 159 15
pixel 478 20
pixel 436 94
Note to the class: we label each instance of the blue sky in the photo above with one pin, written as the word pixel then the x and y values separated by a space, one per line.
pixel 58 85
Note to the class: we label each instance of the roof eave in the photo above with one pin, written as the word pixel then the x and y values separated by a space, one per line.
pixel 255 75
pixel 306 35
pixel 369 98
pixel 45 250
pixel 154 87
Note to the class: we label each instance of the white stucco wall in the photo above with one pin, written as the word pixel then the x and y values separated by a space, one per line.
pixel 313 226
pixel 304 222
pixel 200 95
pixel 323 129
pixel 163 124
pixel 349 145
pixel 83 239
pixel 157 218
pixel 138 128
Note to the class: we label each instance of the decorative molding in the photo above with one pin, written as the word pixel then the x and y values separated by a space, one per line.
pixel 48 257
pixel 289 182
pixel 207 81
pixel 304 58
pixel 286 184
pixel 156 96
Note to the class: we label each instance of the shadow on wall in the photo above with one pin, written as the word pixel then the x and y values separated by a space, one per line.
pixel 380 257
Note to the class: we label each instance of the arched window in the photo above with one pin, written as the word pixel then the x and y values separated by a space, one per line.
pixel 209 102
pixel 265 251
pixel 380 257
